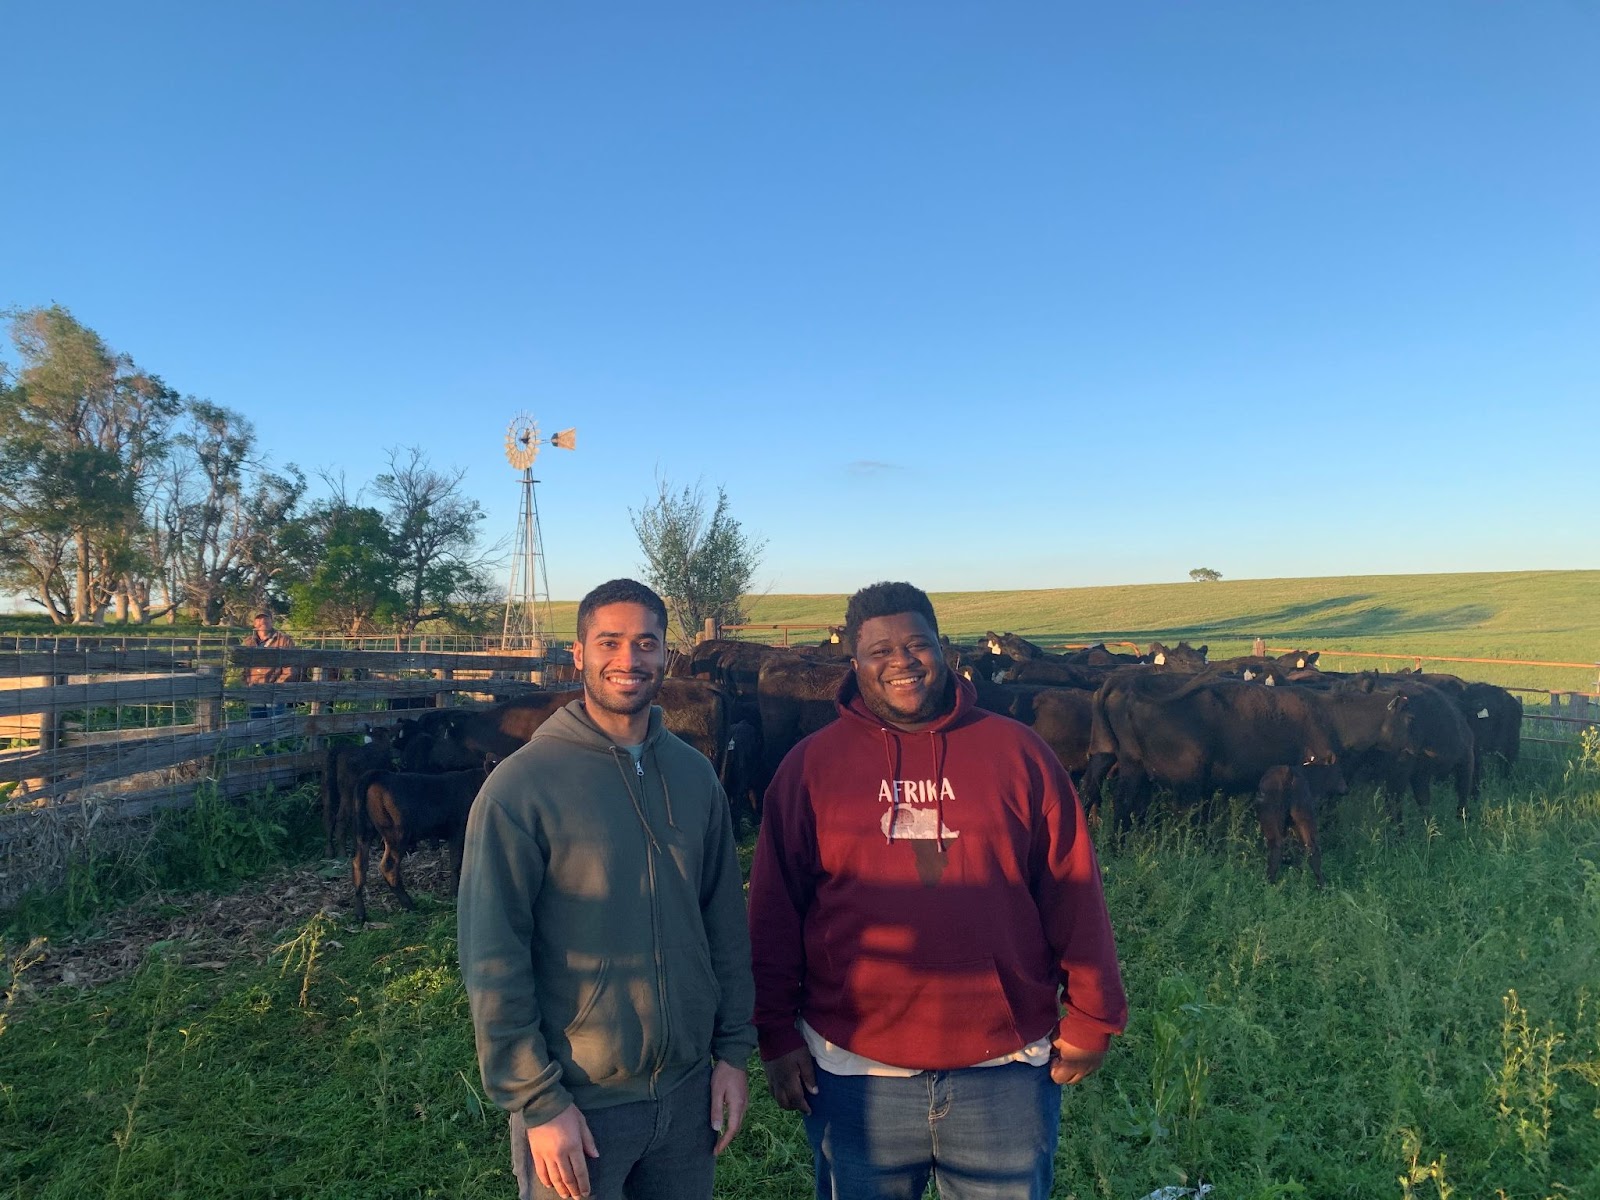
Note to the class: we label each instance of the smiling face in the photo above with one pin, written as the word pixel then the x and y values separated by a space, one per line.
pixel 900 670
pixel 623 659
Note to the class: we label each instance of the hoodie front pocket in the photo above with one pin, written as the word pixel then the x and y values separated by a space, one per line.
pixel 604 1038
pixel 589 995
pixel 896 1001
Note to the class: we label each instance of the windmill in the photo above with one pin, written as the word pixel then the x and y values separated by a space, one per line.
pixel 528 619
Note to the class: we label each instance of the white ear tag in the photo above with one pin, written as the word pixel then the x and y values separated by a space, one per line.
pixel 1161 659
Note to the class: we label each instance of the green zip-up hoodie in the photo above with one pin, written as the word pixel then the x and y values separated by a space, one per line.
pixel 602 927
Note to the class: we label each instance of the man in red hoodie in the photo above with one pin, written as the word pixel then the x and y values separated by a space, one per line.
pixel 933 957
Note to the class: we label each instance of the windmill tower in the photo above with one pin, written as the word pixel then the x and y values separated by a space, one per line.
pixel 528 620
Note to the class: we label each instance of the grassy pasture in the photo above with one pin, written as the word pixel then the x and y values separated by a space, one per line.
pixel 1544 615
pixel 1426 1026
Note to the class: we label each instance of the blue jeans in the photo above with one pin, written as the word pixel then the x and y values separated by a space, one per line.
pixel 649 1149
pixel 983 1133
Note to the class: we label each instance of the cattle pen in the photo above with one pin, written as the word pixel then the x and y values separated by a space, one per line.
pixel 100 729
pixel 97 730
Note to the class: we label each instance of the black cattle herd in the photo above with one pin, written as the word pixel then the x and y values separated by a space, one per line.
pixel 1280 728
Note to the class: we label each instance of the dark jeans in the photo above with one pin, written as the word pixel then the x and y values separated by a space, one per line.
pixel 983 1133
pixel 649 1150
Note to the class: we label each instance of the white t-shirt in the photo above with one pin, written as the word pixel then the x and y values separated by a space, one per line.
pixel 836 1060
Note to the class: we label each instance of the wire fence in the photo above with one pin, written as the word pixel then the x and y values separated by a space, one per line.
pixel 101 727
pixel 96 729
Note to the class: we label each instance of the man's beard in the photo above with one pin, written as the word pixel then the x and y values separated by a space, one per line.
pixel 937 702
pixel 600 694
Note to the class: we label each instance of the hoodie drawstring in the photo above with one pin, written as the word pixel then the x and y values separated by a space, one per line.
pixel 666 792
pixel 894 789
pixel 637 807
pixel 936 747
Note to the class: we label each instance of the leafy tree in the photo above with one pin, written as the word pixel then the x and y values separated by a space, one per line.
pixel 347 562
pixel 435 531
pixel 1205 575
pixel 80 433
pixel 702 564
pixel 216 517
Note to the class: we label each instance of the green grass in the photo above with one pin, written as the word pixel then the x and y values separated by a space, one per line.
pixel 1429 1016
pixel 1541 615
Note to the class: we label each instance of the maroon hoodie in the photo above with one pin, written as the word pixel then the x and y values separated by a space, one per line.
pixel 920 898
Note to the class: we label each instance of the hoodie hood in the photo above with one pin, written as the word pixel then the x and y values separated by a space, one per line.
pixel 571 723
pixel 851 706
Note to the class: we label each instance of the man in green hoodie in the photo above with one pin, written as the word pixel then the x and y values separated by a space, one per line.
pixel 602 934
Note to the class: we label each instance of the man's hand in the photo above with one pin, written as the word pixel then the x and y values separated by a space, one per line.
pixel 791 1078
pixel 1073 1064
pixel 730 1096
pixel 559 1149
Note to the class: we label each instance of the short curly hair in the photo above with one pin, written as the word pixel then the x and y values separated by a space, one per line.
pixel 620 591
pixel 885 599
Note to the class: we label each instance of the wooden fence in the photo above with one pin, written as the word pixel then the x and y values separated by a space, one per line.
pixel 103 729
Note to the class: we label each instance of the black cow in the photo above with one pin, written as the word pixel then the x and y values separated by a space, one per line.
pixel 1064 718
pixel 1299 660
pixel 341 770
pixel 1495 717
pixel 1403 732
pixel 740 771
pixel 1196 735
pixel 1284 796
pixel 1098 656
pixel 1012 646
pixel 734 665
pixel 795 698
pixel 1182 657
pixel 403 809
pixel 1054 673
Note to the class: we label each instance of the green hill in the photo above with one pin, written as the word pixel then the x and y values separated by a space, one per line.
pixel 1552 616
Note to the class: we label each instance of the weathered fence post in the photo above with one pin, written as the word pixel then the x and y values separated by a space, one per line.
pixel 208 707
pixel 709 633
pixel 316 708
pixel 1258 648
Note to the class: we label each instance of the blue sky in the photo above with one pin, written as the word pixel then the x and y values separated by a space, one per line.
pixel 998 295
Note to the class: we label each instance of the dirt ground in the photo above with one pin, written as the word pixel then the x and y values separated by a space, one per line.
pixel 210 931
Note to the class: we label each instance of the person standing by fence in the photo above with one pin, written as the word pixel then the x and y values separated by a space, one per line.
pixel 268 637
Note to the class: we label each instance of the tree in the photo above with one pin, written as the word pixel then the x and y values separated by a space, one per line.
pixel 1205 575
pixel 435 530
pixel 346 561
pixel 216 517
pixel 80 434
pixel 702 565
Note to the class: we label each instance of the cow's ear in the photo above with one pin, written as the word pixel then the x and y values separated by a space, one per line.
pixel 1203 650
pixel 1311 659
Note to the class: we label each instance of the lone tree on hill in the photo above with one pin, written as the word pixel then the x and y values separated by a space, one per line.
pixel 702 564
pixel 1205 575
